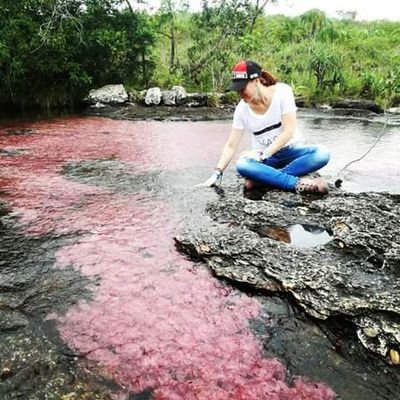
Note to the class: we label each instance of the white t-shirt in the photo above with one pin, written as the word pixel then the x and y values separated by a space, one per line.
pixel 265 128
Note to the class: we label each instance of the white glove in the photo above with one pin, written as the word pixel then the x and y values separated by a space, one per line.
pixel 214 180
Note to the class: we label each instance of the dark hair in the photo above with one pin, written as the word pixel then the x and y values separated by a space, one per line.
pixel 267 79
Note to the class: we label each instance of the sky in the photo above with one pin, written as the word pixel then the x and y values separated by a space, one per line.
pixel 366 9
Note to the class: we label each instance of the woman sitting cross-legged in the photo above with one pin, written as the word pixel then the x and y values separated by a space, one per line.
pixel 267 110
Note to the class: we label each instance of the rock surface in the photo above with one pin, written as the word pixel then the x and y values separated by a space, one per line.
pixel 153 96
pixel 109 94
pixel 180 94
pixel 34 364
pixel 354 276
pixel 169 97
pixel 358 104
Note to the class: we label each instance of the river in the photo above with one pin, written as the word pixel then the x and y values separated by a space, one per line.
pixel 155 322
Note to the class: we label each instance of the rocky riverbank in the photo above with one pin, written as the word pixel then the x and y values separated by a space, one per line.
pixel 321 304
pixel 176 104
pixel 354 275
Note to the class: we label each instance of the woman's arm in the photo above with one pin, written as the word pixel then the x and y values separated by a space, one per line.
pixel 229 149
pixel 228 152
pixel 289 123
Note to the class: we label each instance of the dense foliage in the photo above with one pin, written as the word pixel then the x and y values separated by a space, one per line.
pixel 53 51
pixel 323 58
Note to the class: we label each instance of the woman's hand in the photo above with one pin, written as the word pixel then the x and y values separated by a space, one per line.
pixel 214 180
pixel 257 155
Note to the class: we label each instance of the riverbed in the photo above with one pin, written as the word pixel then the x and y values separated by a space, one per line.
pixel 106 197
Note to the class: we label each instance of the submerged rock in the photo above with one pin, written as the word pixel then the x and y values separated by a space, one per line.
pixel 34 364
pixel 355 275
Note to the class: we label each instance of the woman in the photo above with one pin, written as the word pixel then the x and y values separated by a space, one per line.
pixel 267 109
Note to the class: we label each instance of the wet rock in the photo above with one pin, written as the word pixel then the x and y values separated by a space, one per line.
pixel 359 104
pixel 180 94
pixel 34 364
pixel 197 99
pixel 187 112
pixel 109 94
pixel 153 96
pixel 12 321
pixel 354 276
pixel 328 351
pixel 19 132
pixel 176 96
pixel 12 152
pixel 168 97
pixel 109 173
pixel 393 110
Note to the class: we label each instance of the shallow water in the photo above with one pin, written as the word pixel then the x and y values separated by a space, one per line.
pixel 159 322
pixel 350 140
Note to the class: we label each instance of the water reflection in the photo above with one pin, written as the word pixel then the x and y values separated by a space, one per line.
pixel 298 235
pixel 308 235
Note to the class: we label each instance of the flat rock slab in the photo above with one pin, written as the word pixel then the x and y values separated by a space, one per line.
pixel 354 275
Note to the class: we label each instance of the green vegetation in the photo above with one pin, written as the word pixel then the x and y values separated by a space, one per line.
pixel 53 51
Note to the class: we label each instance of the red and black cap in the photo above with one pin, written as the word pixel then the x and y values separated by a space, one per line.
pixel 243 72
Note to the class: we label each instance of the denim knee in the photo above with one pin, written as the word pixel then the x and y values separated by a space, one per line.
pixel 322 154
pixel 242 166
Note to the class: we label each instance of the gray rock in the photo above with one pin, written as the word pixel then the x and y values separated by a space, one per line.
pixel 109 94
pixel 324 106
pixel 355 275
pixel 169 97
pixel 12 320
pixel 180 95
pixel 196 100
pixel 359 104
pixel 98 105
pixel 153 96
pixel 394 110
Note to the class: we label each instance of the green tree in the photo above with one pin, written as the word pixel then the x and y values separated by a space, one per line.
pixel 168 26
pixel 53 51
pixel 325 64
pixel 313 22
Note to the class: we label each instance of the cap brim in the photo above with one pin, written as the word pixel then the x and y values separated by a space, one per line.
pixel 238 84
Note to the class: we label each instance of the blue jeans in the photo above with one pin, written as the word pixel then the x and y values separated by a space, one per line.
pixel 283 168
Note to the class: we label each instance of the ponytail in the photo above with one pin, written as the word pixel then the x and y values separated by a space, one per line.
pixel 267 79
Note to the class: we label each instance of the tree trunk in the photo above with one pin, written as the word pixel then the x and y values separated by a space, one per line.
pixel 258 10
pixel 129 6
pixel 173 49
pixel 144 71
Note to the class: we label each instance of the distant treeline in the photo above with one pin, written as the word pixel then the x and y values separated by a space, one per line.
pixel 53 51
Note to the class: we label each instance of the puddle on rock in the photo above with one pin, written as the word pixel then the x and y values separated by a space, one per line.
pixel 299 235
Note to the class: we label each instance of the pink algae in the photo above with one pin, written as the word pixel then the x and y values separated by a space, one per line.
pixel 156 320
